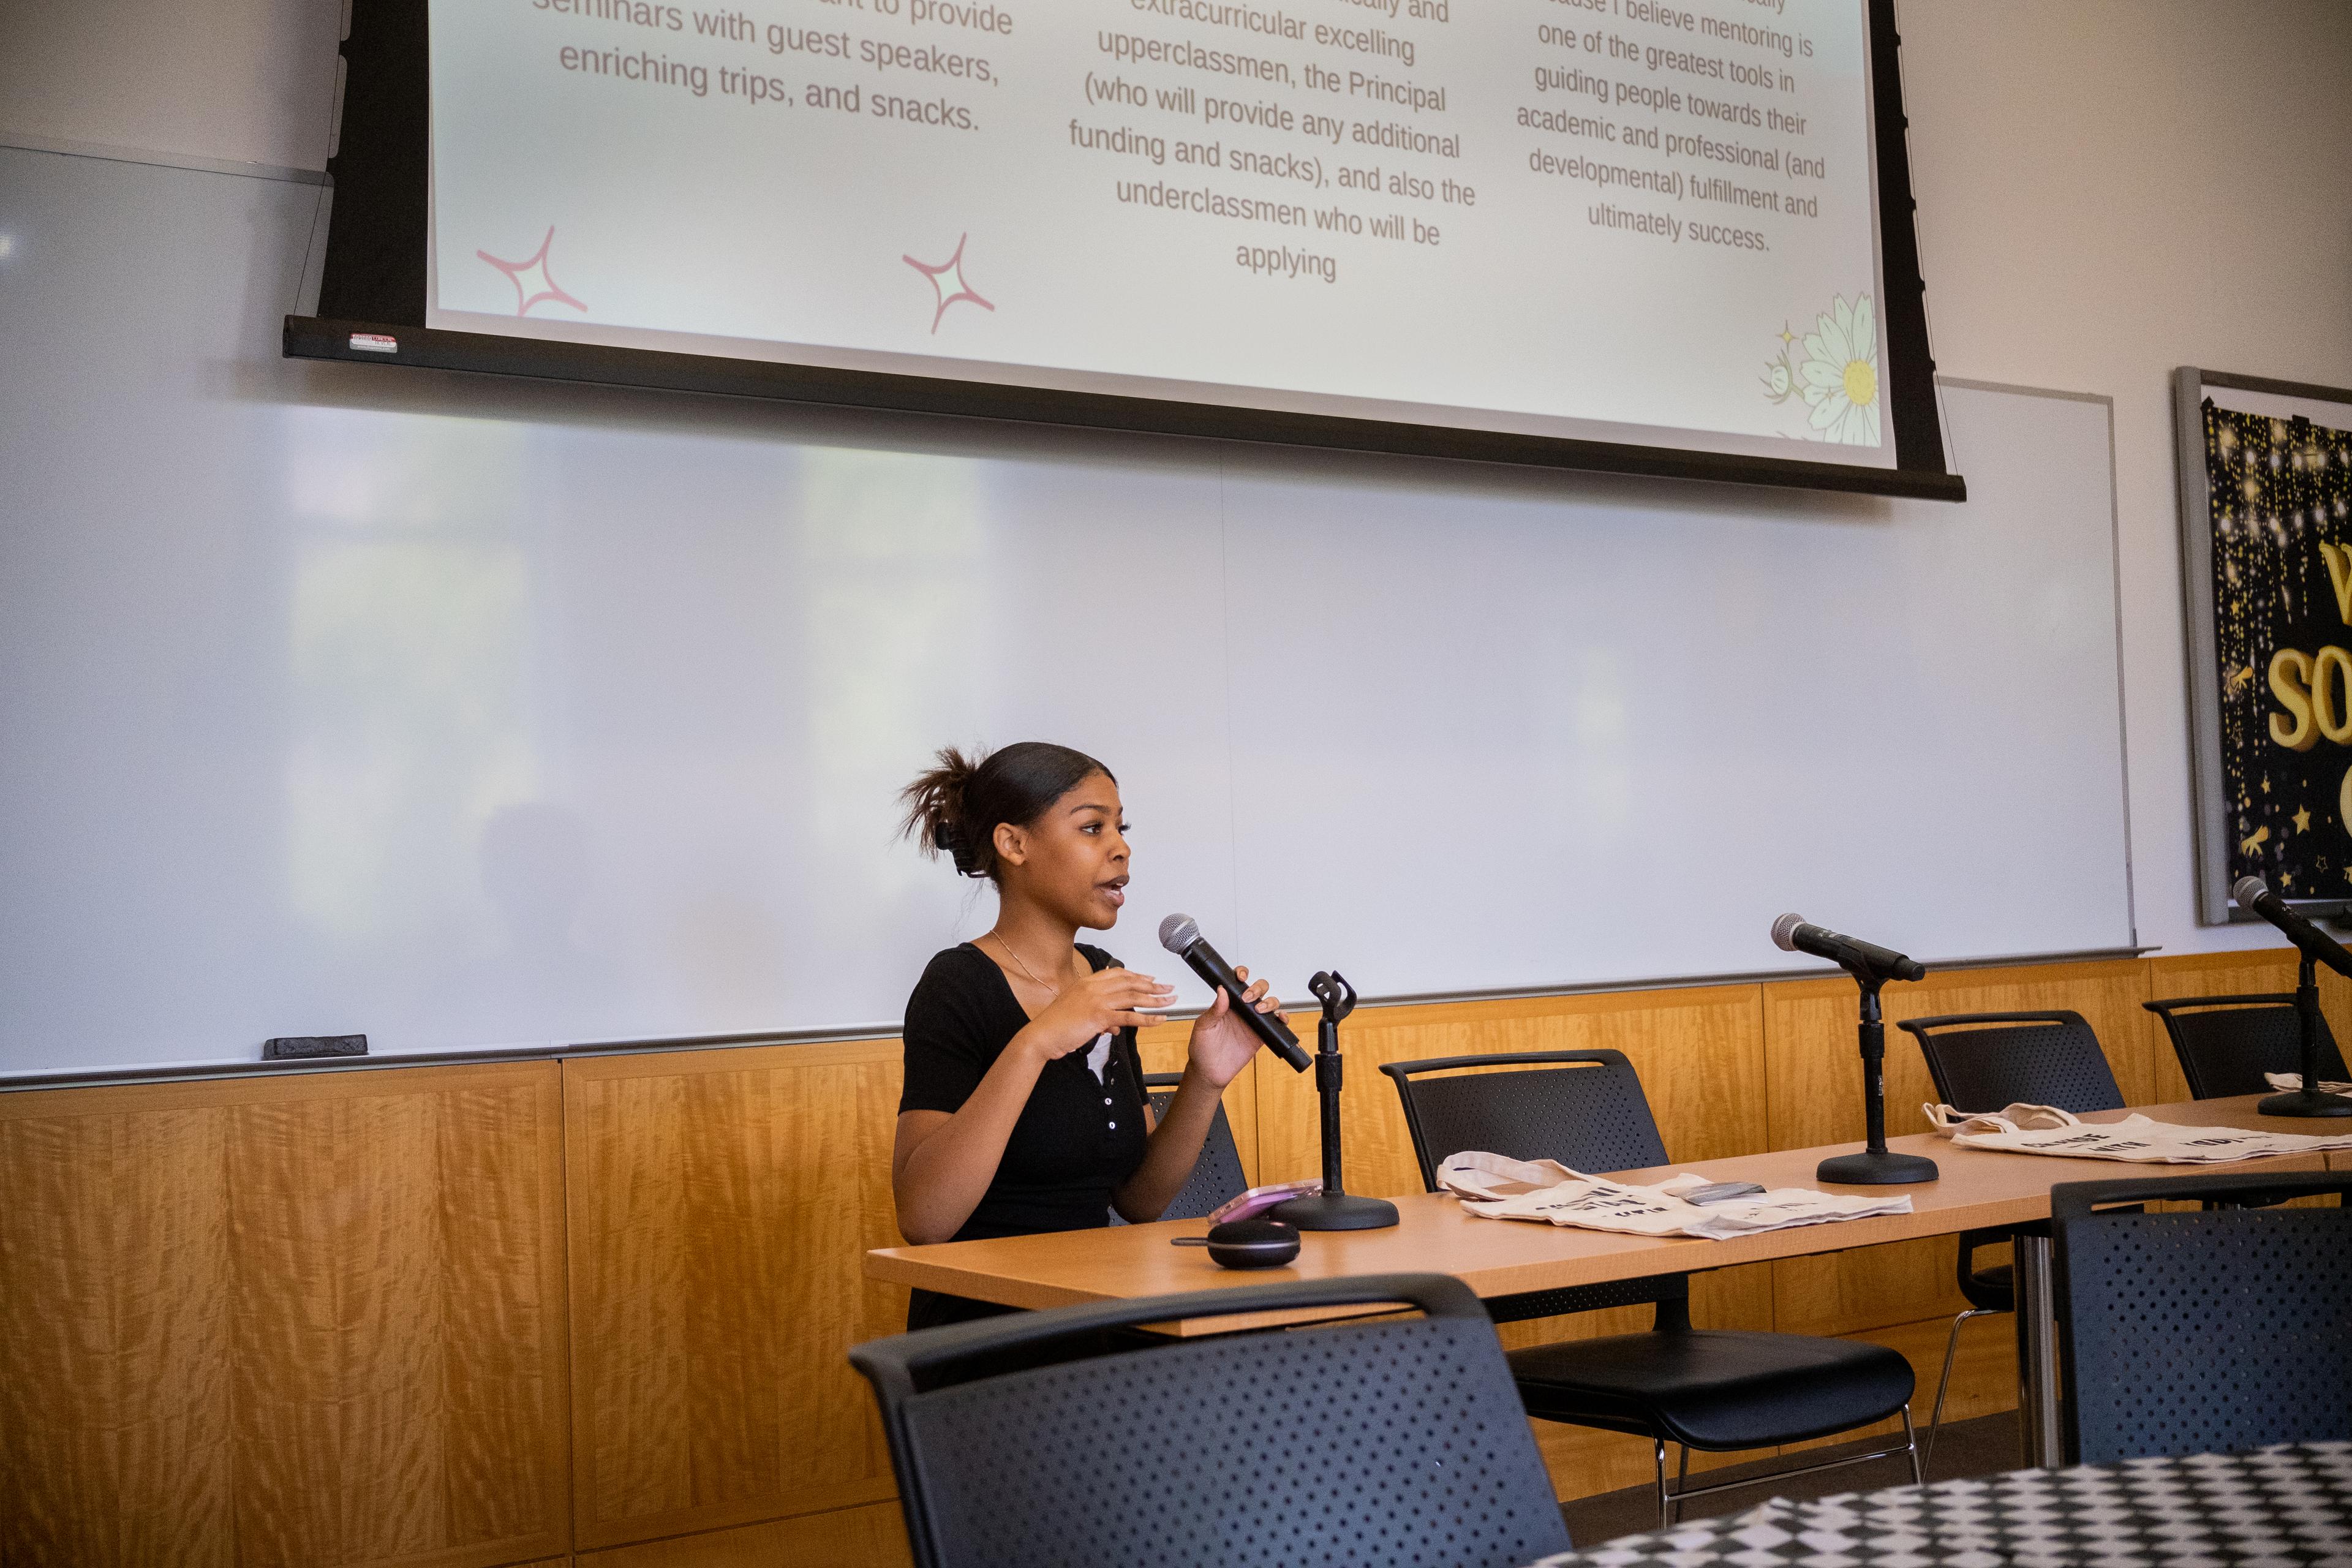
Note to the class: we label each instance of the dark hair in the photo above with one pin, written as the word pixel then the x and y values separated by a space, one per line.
pixel 954 806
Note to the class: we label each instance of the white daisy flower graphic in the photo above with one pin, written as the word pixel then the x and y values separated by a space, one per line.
pixel 1840 374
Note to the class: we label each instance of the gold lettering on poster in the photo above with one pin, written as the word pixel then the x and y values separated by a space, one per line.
pixel 2291 684
pixel 2339 578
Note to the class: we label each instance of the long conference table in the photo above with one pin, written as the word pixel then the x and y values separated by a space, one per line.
pixel 1978 1189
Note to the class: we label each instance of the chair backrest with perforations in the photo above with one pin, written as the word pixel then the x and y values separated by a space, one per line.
pixel 1217 1175
pixel 2227 1043
pixel 1982 1061
pixel 1584 1109
pixel 2212 1332
pixel 1392 1441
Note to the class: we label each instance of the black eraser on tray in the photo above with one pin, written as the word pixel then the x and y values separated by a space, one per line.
pixel 303 1047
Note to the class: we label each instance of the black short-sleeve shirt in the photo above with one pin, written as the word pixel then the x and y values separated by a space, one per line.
pixel 1077 1139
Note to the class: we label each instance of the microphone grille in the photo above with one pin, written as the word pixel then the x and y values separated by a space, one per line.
pixel 1178 932
pixel 1784 933
pixel 2248 889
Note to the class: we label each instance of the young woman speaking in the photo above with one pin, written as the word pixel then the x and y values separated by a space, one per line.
pixel 1024 1109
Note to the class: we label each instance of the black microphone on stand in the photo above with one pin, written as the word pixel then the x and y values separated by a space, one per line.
pixel 2313 947
pixel 1791 934
pixel 1871 966
pixel 1181 936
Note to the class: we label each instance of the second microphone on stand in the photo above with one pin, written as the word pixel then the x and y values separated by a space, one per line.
pixel 1871 966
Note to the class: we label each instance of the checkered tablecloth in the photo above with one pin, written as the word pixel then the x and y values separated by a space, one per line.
pixel 2286 1506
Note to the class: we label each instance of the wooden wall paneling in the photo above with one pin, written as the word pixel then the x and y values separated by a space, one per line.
pixel 873 1536
pixel 309 1319
pixel 1816 1099
pixel 1870 1287
pixel 114 1337
pixel 720 1204
pixel 329 1403
pixel 509 1460
pixel 401 1388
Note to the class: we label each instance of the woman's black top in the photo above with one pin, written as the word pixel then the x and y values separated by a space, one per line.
pixel 1077 1139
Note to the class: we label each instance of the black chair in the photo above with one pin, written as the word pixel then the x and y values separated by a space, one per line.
pixel 2226 1043
pixel 1983 1061
pixel 1708 1389
pixel 1216 1177
pixel 2213 1332
pixel 1390 1440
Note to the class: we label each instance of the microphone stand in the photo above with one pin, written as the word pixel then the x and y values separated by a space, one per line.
pixel 2308 1101
pixel 1875 1165
pixel 1332 1209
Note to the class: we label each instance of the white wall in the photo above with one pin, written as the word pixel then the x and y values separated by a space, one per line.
pixel 2108 189
pixel 246 81
pixel 2111 188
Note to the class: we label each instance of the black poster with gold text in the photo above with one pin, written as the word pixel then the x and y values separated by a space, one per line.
pixel 2282 522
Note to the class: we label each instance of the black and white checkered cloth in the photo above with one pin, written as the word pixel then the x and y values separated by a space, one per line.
pixel 2281 1508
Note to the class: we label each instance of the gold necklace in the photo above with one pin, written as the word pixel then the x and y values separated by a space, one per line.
pixel 1053 991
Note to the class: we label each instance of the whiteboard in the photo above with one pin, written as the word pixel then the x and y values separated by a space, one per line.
pixel 476 713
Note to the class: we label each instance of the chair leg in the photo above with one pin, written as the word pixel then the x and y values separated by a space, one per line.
pixel 1911 1445
pixel 1670 1504
pixel 1920 1461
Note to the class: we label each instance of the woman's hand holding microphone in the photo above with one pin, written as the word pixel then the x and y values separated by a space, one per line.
pixel 1222 1044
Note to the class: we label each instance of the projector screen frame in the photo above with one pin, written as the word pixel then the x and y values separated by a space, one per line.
pixel 372 296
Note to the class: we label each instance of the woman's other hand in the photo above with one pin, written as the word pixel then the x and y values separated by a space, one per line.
pixel 1107 1000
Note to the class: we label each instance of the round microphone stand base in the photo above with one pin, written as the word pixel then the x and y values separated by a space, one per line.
pixel 2304 1102
pixel 2310 1099
pixel 1336 1211
pixel 1876 1168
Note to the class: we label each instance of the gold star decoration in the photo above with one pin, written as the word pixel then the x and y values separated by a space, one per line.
pixel 2303 819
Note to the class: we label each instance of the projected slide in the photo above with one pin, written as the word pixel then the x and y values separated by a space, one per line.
pixel 1649 221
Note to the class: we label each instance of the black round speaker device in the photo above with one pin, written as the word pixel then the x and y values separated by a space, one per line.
pixel 1247 1243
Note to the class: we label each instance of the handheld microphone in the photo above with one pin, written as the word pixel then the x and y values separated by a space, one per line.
pixel 2255 897
pixel 1181 936
pixel 1867 960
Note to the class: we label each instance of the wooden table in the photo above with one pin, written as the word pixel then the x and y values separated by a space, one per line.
pixel 1978 1189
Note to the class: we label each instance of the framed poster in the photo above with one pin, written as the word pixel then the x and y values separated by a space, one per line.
pixel 2266 553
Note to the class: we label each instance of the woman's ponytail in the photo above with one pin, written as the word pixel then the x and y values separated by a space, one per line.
pixel 934 805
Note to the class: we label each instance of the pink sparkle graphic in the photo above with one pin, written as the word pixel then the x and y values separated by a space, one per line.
pixel 946 272
pixel 532 279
